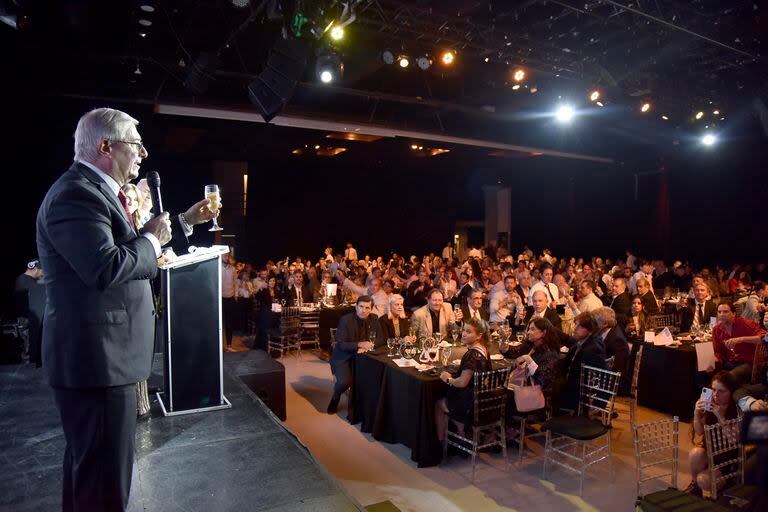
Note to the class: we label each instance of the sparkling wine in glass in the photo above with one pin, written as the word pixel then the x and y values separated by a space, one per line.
pixel 390 345
pixel 445 356
pixel 212 194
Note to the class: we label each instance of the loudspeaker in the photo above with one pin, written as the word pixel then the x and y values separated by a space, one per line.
pixel 274 86
pixel 201 72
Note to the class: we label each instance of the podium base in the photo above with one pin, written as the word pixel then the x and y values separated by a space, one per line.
pixel 225 405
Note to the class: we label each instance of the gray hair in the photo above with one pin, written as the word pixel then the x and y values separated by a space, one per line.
pixel 392 298
pixel 605 317
pixel 97 125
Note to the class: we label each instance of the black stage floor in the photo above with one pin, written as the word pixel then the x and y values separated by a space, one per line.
pixel 235 459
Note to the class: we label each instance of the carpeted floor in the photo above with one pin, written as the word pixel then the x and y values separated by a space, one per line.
pixel 374 472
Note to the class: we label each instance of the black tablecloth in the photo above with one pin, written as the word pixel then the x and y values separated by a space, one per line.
pixel 397 405
pixel 668 380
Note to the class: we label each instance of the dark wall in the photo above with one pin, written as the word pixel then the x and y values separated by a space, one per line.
pixel 409 205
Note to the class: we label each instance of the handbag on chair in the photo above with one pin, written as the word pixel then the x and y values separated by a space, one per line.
pixel 528 395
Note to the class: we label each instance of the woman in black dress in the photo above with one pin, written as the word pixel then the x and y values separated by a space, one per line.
pixel 458 402
pixel 636 326
pixel 394 324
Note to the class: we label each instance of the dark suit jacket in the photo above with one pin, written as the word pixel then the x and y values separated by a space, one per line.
pixel 550 314
pixel 616 345
pixel 98 327
pixel 483 312
pixel 621 304
pixel 348 335
pixel 687 313
pixel 591 353
pixel 387 329
pixel 291 297
pixel 464 292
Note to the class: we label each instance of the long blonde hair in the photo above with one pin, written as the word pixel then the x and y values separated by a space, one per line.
pixel 130 188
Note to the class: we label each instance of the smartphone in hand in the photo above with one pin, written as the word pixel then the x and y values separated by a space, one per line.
pixel 706 394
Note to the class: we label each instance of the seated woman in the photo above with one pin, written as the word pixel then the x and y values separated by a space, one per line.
pixel 721 408
pixel 636 326
pixel 394 324
pixel 458 402
pixel 266 296
pixel 541 347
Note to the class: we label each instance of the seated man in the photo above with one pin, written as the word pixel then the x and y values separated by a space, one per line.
pixel 585 349
pixel 755 305
pixel 505 302
pixel 352 336
pixel 696 313
pixel 465 289
pixel 734 338
pixel 615 343
pixel 546 284
pixel 474 307
pixel 374 291
pixel 619 301
pixel 435 317
pixel 588 302
pixel 650 305
pixel 539 301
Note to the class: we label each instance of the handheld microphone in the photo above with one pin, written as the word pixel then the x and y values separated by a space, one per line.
pixel 153 180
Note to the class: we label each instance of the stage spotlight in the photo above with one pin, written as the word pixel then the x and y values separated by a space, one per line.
pixel 564 114
pixel 716 112
pixel 699 114
pixel 515 87
pixel 403 61
pixel 599 103
pixel 414 147
pixel 709 139
pixel 448 58
pixel 424 62
pixel 337 33
pixel 665 118
pixel 646 107
pixel 594 96
pixel 519 75
pixel 329 68
pixel 388 57
pixel 486 59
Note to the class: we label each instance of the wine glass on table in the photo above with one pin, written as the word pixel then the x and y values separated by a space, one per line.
pixel 213 195
pixel 372 335
pixel 433 352
pixel 455 332
pixel 390 345
pixel 445 356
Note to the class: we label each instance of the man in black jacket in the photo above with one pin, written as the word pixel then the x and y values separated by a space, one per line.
pixel 352 336
pixel 585 349
pixel 615 344
pixel 697 312
pixel 540 301
pixel 620 301
pixel 98 328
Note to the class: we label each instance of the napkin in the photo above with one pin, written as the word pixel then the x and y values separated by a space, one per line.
pixel 649 336
pixel 404 363
pixel 705 356
pixel 663 338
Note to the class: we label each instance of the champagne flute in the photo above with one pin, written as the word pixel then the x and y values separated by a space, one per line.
pixel 391 345
pixel 445 356
pixel 212 194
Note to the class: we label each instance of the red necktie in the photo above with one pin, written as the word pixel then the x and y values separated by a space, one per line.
pixel 124 201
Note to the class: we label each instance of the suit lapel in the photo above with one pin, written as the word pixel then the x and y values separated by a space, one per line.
pixel 105 190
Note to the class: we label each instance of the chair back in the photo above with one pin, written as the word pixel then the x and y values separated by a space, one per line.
pixel 759 362
pixel 725 453
pixel 656 444
pixel 289 321
pixel 333 337
pixel 598 390
pixel 490 396
pixel 654 322
pixel 309 316
pixel 636 371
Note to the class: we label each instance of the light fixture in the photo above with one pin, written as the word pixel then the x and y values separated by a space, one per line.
pixel 519 75
pixel 594 96
pixel 599 103
pixel 337 33
pixel 137 71
pixel 317 146
pixel 709 139
pixel 534 89
pixel 329 68
pixel 699 114
pixel 403 61
pixel 515 87
pixel 145 23
pixel 486 59
pixel 564 114
pixel 665 118
pixel 646 107
pixel 414 147
pixel 424 62
pixel 240 4
pixel 142 34
pixel 716 112
pixel 388 57
pixel 448 57
pixel 147 8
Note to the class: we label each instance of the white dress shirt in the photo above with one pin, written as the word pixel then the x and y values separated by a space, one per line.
pixel 228 281
pixel 554 293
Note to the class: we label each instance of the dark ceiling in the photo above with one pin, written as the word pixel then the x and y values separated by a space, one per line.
pixel 682 56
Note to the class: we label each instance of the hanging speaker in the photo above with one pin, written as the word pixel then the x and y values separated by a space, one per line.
pixel 201 73
pixel 274 86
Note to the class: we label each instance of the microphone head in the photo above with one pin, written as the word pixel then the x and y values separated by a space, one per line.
pixel 153 179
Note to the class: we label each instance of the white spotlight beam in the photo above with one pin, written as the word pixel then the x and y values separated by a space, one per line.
pixel 362 128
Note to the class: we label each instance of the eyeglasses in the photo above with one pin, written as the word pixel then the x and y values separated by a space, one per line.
pixel 134 142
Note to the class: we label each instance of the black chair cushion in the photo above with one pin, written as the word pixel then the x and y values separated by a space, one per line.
pixel 576 427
